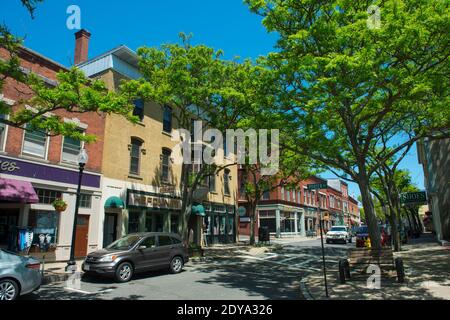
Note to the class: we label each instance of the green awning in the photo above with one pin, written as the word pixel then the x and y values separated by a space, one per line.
pixel 114 202
pixel 198 210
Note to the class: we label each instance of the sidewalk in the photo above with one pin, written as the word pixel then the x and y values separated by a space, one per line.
pixel 55 271
pixel 427 269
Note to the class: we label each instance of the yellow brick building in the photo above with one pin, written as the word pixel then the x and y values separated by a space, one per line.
pixel 140 183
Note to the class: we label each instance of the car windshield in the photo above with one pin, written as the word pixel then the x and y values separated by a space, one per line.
pixel 124 243
pixel 338 229
pixel 362 230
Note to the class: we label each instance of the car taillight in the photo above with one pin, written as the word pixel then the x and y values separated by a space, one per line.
pixel 34 266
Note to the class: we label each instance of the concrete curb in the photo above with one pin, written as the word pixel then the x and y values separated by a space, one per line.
pixel 57 277
pixel 304 289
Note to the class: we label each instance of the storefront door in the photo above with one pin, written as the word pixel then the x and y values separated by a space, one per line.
pixel 81 238
pixel 8 218
pixel 109 229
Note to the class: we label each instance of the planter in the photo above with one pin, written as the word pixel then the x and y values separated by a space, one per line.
pixel 61 208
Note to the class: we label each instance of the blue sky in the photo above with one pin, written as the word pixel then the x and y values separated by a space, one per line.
pixel 226 25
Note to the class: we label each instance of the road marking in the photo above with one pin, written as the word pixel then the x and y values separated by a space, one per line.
pixel 78 290
pixel 288 259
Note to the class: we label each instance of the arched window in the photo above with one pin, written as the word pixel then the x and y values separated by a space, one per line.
pixel 135 155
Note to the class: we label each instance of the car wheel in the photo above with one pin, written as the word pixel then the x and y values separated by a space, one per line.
pixel 176 265
pixel 124 272
pixel 328 241
pixel 9 290
pixel 350 240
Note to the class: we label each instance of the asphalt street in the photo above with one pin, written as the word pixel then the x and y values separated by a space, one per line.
pixel 239 277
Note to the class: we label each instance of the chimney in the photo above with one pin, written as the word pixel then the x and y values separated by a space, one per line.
pixel 81 46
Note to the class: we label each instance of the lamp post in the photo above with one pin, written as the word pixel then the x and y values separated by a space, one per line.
pixel 82 160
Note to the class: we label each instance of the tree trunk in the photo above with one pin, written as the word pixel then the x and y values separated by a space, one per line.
pixel 252 224
pixel 394 231
pixel 369 210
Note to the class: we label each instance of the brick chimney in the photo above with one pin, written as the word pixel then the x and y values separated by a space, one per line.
pixel 81 46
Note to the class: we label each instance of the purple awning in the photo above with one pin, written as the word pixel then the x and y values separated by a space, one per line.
pixel 17 191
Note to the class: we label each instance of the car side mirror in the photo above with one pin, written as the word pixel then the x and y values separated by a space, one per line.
pixel 142 247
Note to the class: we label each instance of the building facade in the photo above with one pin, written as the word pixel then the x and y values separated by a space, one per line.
pixel 286 211
pixel 141 181
pixel 434 155
pixel 36 169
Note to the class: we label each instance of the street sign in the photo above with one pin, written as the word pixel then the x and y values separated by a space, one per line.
pixel 419 197
pixel 242 211
pixel 315 186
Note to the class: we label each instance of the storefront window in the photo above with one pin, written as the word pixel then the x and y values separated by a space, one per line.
pixel 268 219
pixel 133 222
pixel 223 222
pixel 230 225
pixel 287 223
pixel 207 225
pixel 174 223
pixel 44 223
pixel 216 226
pixel 148 222
pixel 159 222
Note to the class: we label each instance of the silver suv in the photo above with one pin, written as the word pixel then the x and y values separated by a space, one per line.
pixel 138 252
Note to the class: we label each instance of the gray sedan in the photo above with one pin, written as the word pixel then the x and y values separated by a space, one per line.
pixel 18 275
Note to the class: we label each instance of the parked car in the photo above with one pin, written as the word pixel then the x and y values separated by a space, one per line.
pixel 339 234
pixel 362 235
pixel 19 275
pixel 138 252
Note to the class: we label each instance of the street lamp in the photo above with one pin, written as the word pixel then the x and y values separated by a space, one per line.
pixel 82 160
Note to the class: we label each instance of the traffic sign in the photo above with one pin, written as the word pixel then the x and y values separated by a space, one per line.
pixel 315 186
pixel 419 197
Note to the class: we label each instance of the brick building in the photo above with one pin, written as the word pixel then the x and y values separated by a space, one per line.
pixel 36 169
pixel 295 211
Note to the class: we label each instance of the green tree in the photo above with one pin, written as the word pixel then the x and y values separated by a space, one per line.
pixel 197 84
pixel 344 85
pixel 73 92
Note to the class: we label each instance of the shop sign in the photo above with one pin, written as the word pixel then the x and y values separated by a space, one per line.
pixel 47 173
pixel 9 166
pixel 244 219
pixel 414 197
pixel 317 186
pixel 153 201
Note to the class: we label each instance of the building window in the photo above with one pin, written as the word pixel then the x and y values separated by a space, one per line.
pixel 282 193
pixel 44 222
pixel 135 156
pixel 266 195
pixel 35 143
pixel 226 182
pixel 138 110
pixel 299 196
pixel 2 132
pixel 304 195
pixel 212 182
pixel 165 164
pixel 48 196
pixel 71 149
pixel 167 119
pixel 85 201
